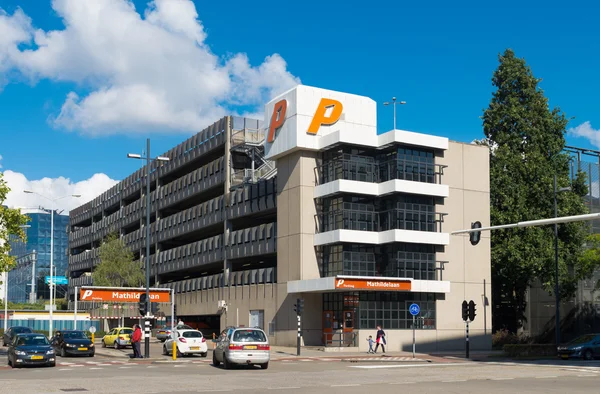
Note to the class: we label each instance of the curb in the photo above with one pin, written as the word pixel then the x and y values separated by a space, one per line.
pixel 383 360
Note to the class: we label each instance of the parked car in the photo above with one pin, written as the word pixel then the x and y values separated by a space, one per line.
pixel 72 342
pixel 586 347
pixel 9 335
pixel 189 341
pixel 164 334
pixel 30 349
pixel 242 346
pixel 118 337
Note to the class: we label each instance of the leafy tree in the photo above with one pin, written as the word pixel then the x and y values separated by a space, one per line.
pixel 526 140
pixel 117 266
pixel 11 221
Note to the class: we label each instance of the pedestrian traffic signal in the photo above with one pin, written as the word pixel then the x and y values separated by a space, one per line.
pixel 475 236
pixel 465 310
pixel 472 310
pixel 142 305
pixel 299 306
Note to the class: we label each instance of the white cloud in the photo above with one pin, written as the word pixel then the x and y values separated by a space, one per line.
pixel 53 188
pixel 585 130
pixel 136 73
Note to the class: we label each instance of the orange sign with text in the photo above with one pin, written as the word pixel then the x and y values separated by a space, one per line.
pixel 373 284
pixel 120 295
pixel 320 118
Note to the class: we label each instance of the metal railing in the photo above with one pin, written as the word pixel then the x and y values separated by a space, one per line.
pixel 398 268
pixel 393 219
pixel 377 172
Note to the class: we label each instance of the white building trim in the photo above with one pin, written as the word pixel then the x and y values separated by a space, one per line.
pixel 328 285
pixel 380 189
pixel 382 237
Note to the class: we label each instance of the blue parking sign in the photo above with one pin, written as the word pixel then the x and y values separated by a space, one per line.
pixel 414 309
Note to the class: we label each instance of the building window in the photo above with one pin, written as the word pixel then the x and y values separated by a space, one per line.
pixel 388 309
pixel 393 261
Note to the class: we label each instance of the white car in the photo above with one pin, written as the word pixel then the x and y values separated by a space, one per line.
pixel 188 342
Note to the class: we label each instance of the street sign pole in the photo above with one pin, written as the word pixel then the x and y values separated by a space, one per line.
pixel 298 339
pixel 467 339
pixel 414 310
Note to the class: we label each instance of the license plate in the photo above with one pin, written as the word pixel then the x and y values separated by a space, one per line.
pixel 82 348
pixel 250 347
pixel 564 357
pixel 195 348
pixel 162 332
pixel 37 357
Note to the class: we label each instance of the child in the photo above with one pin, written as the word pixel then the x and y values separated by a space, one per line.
pixel 371 342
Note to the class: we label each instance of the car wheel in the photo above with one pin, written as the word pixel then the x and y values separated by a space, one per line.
pixel 63 353
pixel 91 355
pixel 52 365
pixel 103 343
pixel 203 354
pixel 179 354
pixel 264 366
pixel 165 351
pixel 116 345
pixel 588 355
pixel 216 362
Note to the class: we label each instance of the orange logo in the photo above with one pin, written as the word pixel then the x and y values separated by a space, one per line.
pixel 119 295
pixel 277 119
pixel 364 284
pixel 320 117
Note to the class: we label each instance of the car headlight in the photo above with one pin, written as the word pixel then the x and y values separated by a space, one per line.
pixel 20 353
pixel 91 345
pixel 577 349
pixel 50 351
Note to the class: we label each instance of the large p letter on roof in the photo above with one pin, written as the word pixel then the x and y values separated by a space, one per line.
pixel 277 119
pixel 320 117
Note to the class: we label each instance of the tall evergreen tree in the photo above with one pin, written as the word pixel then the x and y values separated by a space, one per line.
pixel 526 140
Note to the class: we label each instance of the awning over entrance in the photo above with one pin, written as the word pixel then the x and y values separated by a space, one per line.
pixel 342 283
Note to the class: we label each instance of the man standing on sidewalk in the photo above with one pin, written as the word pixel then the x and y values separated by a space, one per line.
pixel 136 340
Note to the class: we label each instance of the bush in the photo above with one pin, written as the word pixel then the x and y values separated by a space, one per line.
pixel 97 334
pixel 504 337
pixel 530 350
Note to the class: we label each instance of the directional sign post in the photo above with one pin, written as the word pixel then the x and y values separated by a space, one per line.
pixel 414 310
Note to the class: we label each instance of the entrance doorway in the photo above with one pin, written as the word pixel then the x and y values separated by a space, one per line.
pixel 338 329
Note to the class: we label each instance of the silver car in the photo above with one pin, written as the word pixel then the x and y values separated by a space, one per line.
pixel 242 346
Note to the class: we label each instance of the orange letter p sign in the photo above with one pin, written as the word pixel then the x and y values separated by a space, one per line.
pixel 320 119
pixel 277 119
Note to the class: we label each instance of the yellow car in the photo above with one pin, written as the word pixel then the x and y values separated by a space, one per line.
pixel 118 337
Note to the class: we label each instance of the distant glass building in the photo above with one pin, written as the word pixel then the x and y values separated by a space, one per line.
pixel 38 240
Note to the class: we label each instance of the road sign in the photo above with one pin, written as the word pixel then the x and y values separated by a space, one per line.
pixel 92 329
pixel 414 309
pixel 58 280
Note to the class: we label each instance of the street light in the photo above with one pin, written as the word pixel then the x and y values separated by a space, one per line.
pixel 394 104
pixel 148 309
pixel 52 201
pixel 6 291
pixel 556 287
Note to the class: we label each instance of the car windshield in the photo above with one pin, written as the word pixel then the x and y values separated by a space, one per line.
pixel 127 331
pixel 21 330
pixel 249 336
pixel 582 339
pixel 191 334
pixel 184 327
pixel 74 335
pixel 32 341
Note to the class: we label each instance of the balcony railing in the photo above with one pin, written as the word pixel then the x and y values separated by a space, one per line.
pixel 394 219
pixel 364 170
pixel 365 264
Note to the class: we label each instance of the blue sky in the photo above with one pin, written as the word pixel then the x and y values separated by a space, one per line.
pixel 439 58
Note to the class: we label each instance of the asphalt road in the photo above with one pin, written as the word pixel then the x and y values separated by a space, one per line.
pixel 104 375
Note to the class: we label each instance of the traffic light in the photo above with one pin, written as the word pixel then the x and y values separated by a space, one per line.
pixel 154 308
pixel 465 310
pixel 299 306
pixel 475 237
pixel 472 310
pixel 142 304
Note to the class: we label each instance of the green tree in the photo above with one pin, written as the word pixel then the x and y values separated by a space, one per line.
pixel 11 221
pixel 526 140
pixel 117 266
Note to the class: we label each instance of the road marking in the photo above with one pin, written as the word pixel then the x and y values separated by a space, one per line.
pixel 546 377
pixel 212 391
pixel 404 383
pixel 65 369
pixel 105 365
pixel 344 385
pixel 586 376
pixel 76 365
pixel 124 367
pixel 502 379
pixel 305 360
pixel 453 381
pixel 407 365
pixel 150 366
pixel 96 368
pixel 283 388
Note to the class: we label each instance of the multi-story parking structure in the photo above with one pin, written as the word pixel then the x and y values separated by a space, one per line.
pixel 211 225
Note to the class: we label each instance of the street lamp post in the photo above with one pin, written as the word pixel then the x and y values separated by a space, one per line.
pixel 394 104
pixel 148 161
pixel 556 286
pixel 53 202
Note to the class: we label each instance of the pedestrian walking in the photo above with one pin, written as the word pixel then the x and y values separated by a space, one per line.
pixel 380 340
pixel 136 339
pixel 371 342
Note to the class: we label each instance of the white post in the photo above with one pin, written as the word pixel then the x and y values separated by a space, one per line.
pixel 414 341
pixel 172 311
pixel 32 295
pixel 50 331
pixel 237 317
pixel 75 316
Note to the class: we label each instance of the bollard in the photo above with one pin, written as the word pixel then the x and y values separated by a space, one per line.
pixel 92 338
pixel 174 350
